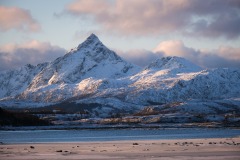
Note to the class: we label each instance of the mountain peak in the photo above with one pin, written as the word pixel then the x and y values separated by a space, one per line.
pixel 90 59
pixel 92 40
pixel 93 36
pixel 173 63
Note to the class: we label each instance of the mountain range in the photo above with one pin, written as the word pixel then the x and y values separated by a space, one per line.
pixel 94 78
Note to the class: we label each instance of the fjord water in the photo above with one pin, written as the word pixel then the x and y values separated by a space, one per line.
pixel 48 136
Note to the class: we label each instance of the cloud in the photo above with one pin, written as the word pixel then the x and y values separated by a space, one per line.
pixel 176 48
pixel 230 53
pixel 35 52
pixel 17 18
pixel 139 57
pixel 32 52
pixel 212 18
pixel 224 56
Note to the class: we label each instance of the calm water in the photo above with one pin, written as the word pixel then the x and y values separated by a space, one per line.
pixel 41 136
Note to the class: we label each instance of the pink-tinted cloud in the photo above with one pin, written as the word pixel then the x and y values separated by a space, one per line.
pixel 176 48
pixel 32 52
pixel 230 53
pixel 224 56
pixel 212 18
pixel 17 18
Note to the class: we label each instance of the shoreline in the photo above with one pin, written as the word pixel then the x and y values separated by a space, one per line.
pixel 121 126
pixel 114 141
pixel 205 148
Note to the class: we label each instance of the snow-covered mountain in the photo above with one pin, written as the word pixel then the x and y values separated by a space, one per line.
pixel 14 82
pixel 160 86
pixel 83 68
pixel 89 59
pixel 173 64
pixel 93 74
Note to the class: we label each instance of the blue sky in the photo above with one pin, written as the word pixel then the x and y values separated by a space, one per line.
pixel 204 32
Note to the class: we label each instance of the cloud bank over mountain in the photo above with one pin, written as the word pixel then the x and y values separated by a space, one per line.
pixel 32 52
pixel 222 57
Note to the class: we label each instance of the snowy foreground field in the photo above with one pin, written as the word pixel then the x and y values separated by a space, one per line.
pixel 196 149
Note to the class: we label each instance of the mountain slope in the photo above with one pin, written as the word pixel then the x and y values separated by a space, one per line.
pixel 14 82
pixel 173 64
pixel 162 87
pixel 89 59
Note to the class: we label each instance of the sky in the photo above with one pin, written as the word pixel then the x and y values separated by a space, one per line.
pixel 204 32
